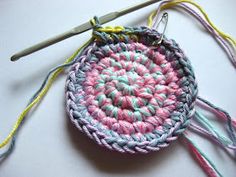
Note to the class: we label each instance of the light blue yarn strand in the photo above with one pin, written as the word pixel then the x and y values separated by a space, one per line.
pixel 204 122
pixel 202 154
pixel 231 130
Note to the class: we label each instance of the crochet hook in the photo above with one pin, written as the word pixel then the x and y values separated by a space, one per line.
pixel 80 29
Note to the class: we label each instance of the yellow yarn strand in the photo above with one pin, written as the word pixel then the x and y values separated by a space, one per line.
pixel 108 29
pixel 151 17
pixel 39 97
pixel 173 3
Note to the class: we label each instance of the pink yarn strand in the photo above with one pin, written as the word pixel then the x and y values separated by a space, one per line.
pixel 201 160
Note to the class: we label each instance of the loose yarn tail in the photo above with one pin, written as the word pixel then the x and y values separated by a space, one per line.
pixel 37 97
pixel 227 42
pixel 202 159
pixel 200 123
pixel 206 126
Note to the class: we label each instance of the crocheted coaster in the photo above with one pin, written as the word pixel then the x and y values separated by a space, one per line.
pixel 128 93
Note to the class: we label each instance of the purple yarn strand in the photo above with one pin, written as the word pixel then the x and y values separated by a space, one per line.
pixel 224 43
pixel 209 135
pixel 221 40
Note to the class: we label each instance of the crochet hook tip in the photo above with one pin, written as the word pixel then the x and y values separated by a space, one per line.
pixel 15 57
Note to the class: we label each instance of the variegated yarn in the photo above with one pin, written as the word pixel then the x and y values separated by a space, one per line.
pixel 129 94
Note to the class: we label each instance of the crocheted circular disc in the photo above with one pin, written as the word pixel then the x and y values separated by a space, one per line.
pixel 129 94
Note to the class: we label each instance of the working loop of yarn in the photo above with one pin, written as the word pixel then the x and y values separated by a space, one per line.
pixel 129 95
pixel 95 22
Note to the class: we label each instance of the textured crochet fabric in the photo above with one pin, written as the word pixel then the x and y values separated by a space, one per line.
pixel 130 94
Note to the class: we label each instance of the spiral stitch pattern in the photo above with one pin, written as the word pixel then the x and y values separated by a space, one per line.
pixel 128 94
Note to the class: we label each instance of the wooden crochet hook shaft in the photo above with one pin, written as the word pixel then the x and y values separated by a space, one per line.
pixel 80 29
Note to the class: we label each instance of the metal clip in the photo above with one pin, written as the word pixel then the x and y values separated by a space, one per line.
pixel 163 19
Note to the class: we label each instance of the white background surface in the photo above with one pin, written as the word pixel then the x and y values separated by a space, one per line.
pixel 48 144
